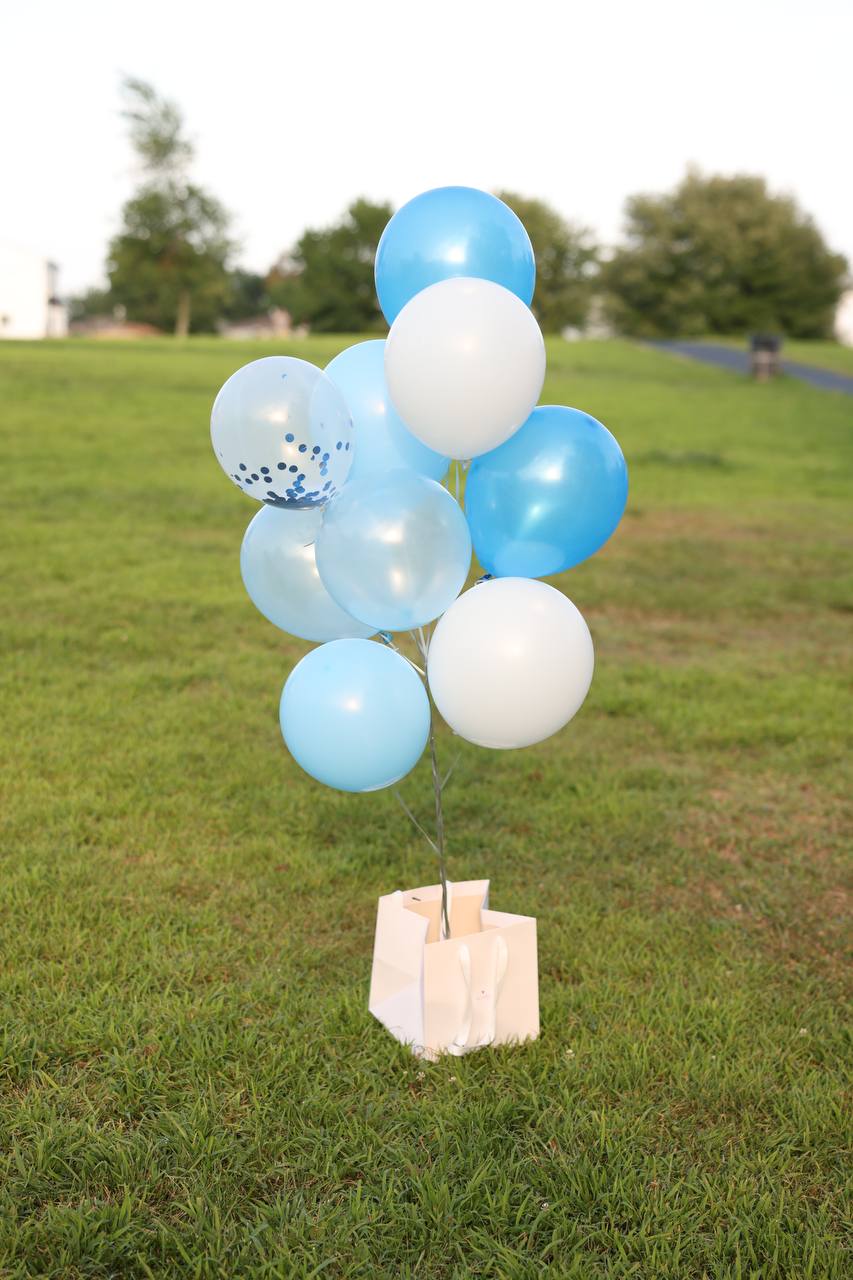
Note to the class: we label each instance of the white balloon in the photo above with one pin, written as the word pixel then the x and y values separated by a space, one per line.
pixel 510 662
pixel 464 365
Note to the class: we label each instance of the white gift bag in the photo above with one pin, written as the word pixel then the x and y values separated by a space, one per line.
pixel 480 986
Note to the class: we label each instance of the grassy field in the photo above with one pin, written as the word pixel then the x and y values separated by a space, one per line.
pixel 191 1083
pixel 826 355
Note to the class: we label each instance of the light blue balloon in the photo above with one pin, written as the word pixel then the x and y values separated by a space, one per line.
pixel 280 574
pixel 381 441
pixel 549 497
pixel 355 715
pixel 452 231
pixel 394 550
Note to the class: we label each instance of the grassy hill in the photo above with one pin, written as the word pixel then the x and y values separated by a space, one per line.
pixel 191 1083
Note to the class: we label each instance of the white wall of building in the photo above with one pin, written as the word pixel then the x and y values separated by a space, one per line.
pixel 28 304
pixel 844 319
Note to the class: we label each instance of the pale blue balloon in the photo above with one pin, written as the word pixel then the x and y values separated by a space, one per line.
pixel 380 440
pixel 452 231
pixel 355 715
pixel 394 550
pixel 549 497
pixel 280 574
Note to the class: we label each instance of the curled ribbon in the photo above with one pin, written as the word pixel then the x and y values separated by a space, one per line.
pixel 500 957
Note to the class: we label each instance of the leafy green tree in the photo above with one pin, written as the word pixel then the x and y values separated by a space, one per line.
pixel 722 255
pixel 94 302
pixel 248 295
pixel 326 281
pixel 566 263
pixel 168 265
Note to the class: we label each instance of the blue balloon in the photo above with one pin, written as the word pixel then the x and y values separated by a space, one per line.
pixel 394 550
pixel 280 574
pixel 380 440
pixel 452 231
pixel 549 497
pixel 355 715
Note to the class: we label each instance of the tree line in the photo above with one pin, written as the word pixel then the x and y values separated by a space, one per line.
pixel 716 255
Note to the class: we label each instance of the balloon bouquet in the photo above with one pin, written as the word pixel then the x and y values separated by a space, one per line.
pixel 358 538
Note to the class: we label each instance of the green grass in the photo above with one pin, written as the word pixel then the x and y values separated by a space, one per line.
pixel 191 1083
pixel 826 355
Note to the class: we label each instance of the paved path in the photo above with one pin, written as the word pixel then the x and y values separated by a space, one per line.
pixel 735 359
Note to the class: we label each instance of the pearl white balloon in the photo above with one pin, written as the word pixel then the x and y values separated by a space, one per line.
pixel 510 662
pixel 464 365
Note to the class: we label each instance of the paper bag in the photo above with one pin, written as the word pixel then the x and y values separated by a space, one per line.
pixel 480 986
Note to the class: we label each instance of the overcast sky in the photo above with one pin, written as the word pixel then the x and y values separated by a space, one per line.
pixel 297 108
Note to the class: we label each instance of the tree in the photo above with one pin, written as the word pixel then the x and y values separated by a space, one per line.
pixel 93 302
pixel 566 262
pixel 722 255
pixel 326 281
pixel 248 296
pixel 168 265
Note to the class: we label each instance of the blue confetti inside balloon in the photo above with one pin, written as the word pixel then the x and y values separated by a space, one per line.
pixel 282 413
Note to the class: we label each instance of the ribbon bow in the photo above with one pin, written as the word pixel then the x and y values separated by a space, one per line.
pixel 500 957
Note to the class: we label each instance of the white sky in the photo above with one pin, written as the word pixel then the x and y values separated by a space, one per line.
pixel 298 107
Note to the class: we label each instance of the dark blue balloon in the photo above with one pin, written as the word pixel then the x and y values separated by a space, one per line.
pixel 549 497
pixel 448 232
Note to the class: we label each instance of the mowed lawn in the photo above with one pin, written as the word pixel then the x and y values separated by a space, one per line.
pixel 191 1083
pixel 826 355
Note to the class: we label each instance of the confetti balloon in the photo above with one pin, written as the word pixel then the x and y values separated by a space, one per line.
pixel 282 433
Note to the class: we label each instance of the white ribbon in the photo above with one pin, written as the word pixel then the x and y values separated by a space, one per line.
pixel 500 956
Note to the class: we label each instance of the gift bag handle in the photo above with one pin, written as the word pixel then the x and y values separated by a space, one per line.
pixel 500 956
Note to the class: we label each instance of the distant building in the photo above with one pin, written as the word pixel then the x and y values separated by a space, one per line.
pixel 844 319
pixel 596 324
pixel 275 324
pixel 30 306
pixel 111 327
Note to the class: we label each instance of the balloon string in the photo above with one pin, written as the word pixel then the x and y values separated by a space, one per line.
pixel 412 817
pixel 447 776
pixel 439 823
pixel 439 844
pixel 459 468
pixel 385 637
